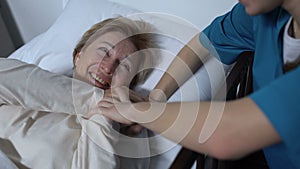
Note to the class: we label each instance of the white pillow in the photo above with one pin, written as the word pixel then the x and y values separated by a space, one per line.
pixel 64 3
pixel 53 49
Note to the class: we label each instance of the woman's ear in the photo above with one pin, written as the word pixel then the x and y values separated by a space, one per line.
pixel 77 57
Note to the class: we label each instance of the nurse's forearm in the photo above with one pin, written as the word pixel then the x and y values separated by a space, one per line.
pixel 188 61
pixel 228 131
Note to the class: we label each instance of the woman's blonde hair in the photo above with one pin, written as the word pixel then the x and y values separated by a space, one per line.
pixel 138 32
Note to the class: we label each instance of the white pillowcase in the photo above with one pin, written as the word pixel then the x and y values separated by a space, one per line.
pixel 53 49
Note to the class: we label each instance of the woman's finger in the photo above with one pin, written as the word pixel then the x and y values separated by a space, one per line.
pixel 104 103
pixel 131 130
pixel 113 114
pixel 135 97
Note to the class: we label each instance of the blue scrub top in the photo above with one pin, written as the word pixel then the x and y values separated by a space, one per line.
pixel 277 94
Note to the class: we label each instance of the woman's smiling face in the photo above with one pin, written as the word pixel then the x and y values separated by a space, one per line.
pixel 107 61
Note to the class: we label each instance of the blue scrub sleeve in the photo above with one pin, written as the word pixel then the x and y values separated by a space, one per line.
pixel 230 34
pixel 280 101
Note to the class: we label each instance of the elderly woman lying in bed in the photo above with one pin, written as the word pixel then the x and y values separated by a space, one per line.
pixel 110 54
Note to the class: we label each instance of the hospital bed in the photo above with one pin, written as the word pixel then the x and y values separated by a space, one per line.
pixel 52 50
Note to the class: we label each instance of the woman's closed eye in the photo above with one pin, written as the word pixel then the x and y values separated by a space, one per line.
pixel 126 65
pixel 103 51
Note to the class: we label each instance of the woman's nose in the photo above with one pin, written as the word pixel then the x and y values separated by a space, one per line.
pixel 108 66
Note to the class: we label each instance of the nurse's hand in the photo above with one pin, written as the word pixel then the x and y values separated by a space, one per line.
pixel 118 96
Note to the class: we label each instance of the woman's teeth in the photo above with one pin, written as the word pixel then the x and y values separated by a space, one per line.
pixel 99 79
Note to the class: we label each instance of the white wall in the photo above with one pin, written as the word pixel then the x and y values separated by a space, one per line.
pixel 198 12
pixel 35 16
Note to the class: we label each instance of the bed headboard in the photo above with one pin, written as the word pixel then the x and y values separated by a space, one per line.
pixel 34 17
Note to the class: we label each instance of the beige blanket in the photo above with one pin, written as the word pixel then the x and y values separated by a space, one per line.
pixel 42 122
pixel 42 125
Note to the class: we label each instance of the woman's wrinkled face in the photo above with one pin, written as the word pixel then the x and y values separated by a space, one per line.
pixel 256 7
pixel 107 62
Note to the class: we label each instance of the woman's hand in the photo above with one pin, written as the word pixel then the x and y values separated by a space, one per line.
pixel 115 97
